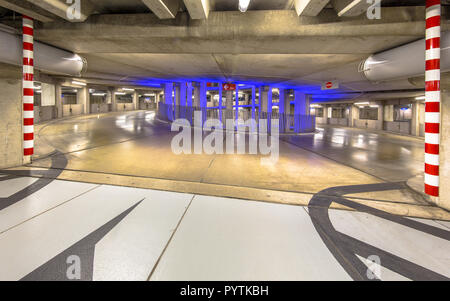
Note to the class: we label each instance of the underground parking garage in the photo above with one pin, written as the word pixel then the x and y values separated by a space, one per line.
pixel 201 140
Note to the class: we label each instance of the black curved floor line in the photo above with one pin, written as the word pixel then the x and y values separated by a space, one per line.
pixel 345 248
pixel 48 176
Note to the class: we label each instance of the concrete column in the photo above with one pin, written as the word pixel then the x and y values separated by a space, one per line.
pixel 444 198
pixel 265 104
pixel 189 94
pixel 263 101
pixel 415 123
pixel 11 114
pixel 196 101
pixel 380 122
pixel 58 101
pixel 228 105
pixel 220 101
pixel 168 100
pixel 135 100
pixel 177 101
pixel 83 98
pixel 301 108
pixel 181 99
pixel 285 110
pixel 236 100
pixel 114 100
pixel 203 100
pixel 254 103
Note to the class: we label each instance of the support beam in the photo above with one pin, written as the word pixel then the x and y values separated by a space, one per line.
pixel 310 8
pixel 198 9
pixel 68 11
pixel 350 8
pixel 25 8
pixel 164 9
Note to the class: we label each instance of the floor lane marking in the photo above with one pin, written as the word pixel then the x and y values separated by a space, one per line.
pixel 170 239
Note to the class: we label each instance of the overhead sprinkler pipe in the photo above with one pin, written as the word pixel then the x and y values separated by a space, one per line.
pixel 46 58
pixel 405 61
pixel 28 86
pixel 432 96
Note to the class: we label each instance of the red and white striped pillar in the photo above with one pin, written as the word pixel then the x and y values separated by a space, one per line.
pixel 28 87
pixel 432 96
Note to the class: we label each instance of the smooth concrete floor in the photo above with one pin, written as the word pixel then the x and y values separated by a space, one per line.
pixel 135 144
pixel 220 217
pixel 119 233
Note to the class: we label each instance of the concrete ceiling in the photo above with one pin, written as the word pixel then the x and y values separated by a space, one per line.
pixel 123 41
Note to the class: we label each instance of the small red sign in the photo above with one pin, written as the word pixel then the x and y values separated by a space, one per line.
pixel 329 85
pixel 229 87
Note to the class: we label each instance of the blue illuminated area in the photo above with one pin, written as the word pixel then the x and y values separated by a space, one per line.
pixel 318 95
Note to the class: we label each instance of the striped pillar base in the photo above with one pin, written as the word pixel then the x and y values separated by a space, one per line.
pixel 28 87
pixel 433 96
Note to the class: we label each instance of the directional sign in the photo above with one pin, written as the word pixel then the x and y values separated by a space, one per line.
pixel 229 87
pixel 330 85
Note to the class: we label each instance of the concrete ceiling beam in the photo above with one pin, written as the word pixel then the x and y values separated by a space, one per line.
pixel 350 8
pixel 310 8
pixel 69 11
pixel 198 9
pixel 25 8
pixel 164 9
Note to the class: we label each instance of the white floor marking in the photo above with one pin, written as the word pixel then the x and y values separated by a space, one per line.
pixel 416 246
pixel 33 243
pixel 430 223
pixel 46 198
pixel 11 186
pixel 131 249
pixel 230 239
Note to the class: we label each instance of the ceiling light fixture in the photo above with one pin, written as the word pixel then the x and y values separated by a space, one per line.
pixel 78 83
pixel 420 98
pixel 243 5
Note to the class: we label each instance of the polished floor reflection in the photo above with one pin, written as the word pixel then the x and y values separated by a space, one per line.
pixel 136 144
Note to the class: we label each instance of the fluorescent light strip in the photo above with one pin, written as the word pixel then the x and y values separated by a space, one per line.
pixel 78 83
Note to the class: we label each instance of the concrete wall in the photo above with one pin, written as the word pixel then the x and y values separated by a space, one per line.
pixel 122 107
pixel 338 121
pixel 100 108
pixel 76 110
pixel 11 132
pixel 368 124
pixel 42 114
pixel 321 120
pixel 398 127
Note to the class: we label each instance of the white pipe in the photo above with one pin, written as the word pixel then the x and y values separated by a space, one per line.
pixel 46 58
pixel 404 62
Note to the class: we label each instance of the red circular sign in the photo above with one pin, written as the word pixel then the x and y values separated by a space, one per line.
pixel 329 85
